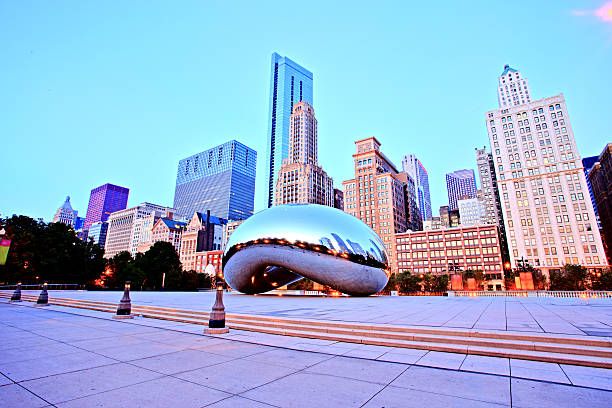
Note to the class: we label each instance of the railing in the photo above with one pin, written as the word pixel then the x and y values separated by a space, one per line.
pixel 50 286
pixel 586 294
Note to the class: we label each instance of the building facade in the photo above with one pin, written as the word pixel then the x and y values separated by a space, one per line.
pixel 443 251
pixel 97 231
pixel 600 178
pixel 376 194
pixel 338 199
pixel 124 232
pixel 65 214
pixel 588 163
pixel 512 89
pixel 203 259
pixel 300 179
pixel 414 221
pixel 548 215
pixel 488 187
pixel 221 179
pixel 167 230
pixel 202 233
pixel 471 212
pixel 290 83
pixel 449 218
pixel 413 166
pixel 460 183
pixel 103 201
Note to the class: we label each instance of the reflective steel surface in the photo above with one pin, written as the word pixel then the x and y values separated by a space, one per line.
pixel 282 244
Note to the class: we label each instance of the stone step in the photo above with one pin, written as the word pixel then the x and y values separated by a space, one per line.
pixel 514 345
pixel 574 359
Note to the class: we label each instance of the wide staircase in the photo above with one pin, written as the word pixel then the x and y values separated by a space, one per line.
pixel 589 351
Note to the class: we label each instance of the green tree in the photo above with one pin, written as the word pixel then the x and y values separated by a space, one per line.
pixel 408 282
pixel 570 277
pixel 439 283
pixel 161 259
pixel 602 280
pixel 49 252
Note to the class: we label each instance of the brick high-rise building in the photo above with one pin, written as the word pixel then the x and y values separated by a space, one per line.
pixel 600 178
pixel 446 250
pixel 548 214
pixel 103 201
pixel 376 194
pixel 414 220
pixel 589 163
pixel 300 179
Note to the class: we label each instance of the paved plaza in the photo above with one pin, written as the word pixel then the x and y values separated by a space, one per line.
pixel 67 357
pixel 552 315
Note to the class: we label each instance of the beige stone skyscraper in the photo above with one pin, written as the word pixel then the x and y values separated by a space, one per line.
pixel 301 180
pixel 547 211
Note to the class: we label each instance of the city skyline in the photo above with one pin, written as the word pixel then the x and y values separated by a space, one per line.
pixel 143 118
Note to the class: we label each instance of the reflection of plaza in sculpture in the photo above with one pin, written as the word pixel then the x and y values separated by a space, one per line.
pixel 283 244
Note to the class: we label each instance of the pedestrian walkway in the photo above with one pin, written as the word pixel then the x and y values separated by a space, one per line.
pixel 68 357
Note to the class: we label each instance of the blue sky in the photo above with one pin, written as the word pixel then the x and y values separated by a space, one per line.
pixel 95 92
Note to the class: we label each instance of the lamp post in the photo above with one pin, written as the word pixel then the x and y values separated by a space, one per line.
pixel 17 294
pixel 124 311
pixel 43 298
pixel 216 323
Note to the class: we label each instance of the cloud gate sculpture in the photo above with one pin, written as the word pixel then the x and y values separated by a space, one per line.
pixel 286 243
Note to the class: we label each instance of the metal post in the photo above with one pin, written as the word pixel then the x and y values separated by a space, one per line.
pixel 216 324
pixel 124 311
pixel 43 298
pixel 17 294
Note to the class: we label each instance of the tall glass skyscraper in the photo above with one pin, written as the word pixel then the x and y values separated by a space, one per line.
pixel 413 166
pixel 221 179
pixel 289 84
pixel 460 183
pixel 103 201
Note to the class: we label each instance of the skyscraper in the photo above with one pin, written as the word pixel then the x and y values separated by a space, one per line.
pixel 413 166
pixel 599 180
pixel 300 179
pixel 289 83
pixel 460 183
pixel 589 163
pixel 376 194
pixel 103 201
pixel 488 186
pixel 414 220
pixel 548 214
pixel 512 89
pixel 221 179
pixel 65 214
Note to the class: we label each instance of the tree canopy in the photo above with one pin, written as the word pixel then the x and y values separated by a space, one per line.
pixel 50 252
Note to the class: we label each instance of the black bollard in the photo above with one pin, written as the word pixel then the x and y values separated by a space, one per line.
pixel 43 298
pixel 216 324
pixel 17 294
pixel 124 311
